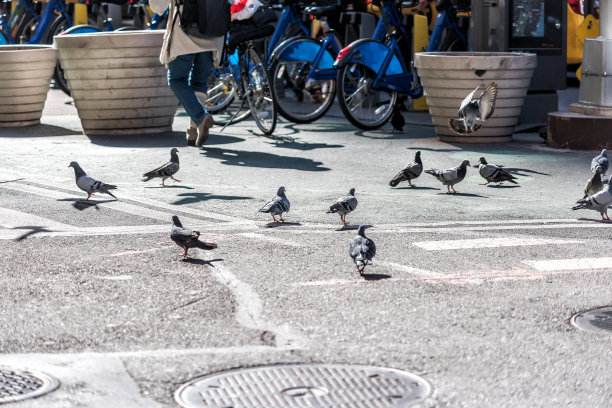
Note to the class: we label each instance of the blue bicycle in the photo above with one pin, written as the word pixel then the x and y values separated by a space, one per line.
pixel 448 34
pixel 372 73
pixel 26 26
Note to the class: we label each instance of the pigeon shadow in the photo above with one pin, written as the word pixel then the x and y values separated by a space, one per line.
pixel 291 143
pixel 196 261
pixel 599 221
pixel 463 195
pixel 374 276
pixel 352 227
pixel 164 139
pixel 287 224
pixel 190 198
pixel 38 131
pixel 173 186
pixel 521 172
pixel 415 188
pixel 81 204
pixel 263 160
pixel 33 229
pixel 502 186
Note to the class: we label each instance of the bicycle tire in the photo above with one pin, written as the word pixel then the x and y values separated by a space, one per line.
pixel 225 99
pixel 259 91
pixel 26 28
pixel 355 94
pixel 451 42
pixel 298 99
pixel 58 72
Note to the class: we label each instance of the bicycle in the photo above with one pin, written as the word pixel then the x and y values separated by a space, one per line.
pixel 26 26
pixel 372 73
pixel 448 34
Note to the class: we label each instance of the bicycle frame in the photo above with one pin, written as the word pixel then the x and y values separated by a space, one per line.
pixel 10 27
pixel 445 20
pixel 288 16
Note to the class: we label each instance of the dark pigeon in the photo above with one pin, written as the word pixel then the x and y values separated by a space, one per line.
pixel 344 205
pixel 601 160
pixel 186 238
pixel 277 205
pixel 450 177
pixel 410 172
pixel 493 173
pixel 594 184
pixel 362 249
pixel 167 170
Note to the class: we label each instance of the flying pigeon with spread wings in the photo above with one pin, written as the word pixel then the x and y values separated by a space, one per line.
pixel 473 112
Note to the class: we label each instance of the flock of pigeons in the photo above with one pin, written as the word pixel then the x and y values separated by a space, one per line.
pixel 473 112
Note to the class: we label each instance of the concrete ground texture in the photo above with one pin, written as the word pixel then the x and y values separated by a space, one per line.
pixel 473 291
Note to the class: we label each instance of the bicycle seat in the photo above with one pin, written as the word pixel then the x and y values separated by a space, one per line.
pixel 318 11
pixel 409 3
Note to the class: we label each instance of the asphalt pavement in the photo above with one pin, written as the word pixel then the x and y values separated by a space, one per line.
pixel 473 291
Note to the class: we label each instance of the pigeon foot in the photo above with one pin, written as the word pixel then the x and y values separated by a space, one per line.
pixel 175 180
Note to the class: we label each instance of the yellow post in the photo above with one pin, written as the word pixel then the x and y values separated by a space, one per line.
pixel 420 42
pixel 13 5
pixel 80 13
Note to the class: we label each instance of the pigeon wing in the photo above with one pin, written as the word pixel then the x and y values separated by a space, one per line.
pixel 487 101
pixel 458 126
pixel 165 170
pixel 468 99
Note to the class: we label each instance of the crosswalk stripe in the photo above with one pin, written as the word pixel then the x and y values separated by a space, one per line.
pixel 573 264
pixel 490 243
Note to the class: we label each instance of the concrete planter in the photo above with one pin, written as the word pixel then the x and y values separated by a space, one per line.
pixel 448 77
pixel 117 82
pixel 25 72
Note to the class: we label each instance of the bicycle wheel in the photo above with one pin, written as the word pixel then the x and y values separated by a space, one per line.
pixel 225 98
pixel 299 98
pixel 60 26
pixel 26 28
pixel 259 92
pixel 365 107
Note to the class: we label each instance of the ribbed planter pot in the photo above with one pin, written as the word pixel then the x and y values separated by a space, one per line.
pixel 25 74
pixel 448 77
pixel 117 82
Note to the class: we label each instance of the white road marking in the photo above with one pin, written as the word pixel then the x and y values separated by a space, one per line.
pixel 573 264
pixel 250 309
pixel 411 270
pixel 115 278
pixel 15 219
pixel 489 243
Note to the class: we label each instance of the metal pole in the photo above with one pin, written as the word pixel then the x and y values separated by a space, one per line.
pixel 605 18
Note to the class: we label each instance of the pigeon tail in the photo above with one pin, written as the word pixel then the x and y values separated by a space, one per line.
pixel 206 245
pixel 396 180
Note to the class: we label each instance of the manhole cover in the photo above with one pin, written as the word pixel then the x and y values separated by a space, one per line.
pixel 596 320
pixel 304 385
pixel 17 385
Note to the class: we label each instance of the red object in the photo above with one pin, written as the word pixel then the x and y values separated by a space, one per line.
pixel 577 6
pixel 342 53
pixel 238 6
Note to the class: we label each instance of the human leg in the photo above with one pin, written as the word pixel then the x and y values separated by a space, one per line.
pixel 199 83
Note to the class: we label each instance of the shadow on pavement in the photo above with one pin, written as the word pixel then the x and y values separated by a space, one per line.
pixel 173 186
pixel 375 276
pixel 463 194
pixel 352 227
pixel 190 198
pixel 283 224
pixel 502 186
pixel 168 139
pixel 37 131
pixel 11 181
pixel 410 132
pixel 196 261
pixel 260 159
pixel 297 145
pixel 33 229
pixel 414 188
pixel 82 204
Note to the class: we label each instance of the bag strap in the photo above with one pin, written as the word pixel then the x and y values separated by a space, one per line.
pixel 177 13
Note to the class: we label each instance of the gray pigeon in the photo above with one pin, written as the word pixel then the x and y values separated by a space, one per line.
pixel 277 205
pixel 594 184
pixel 450 177
pixel 493 173
pixel 167 170
pixel 186 238
pixel 473 112
pixel 597 202
pixel 601 160
pixel 410 172
pixel 362 249
pixel 344 205
pixel 88 184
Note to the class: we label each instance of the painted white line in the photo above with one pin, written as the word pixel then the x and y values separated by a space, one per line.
pixel 573 264
pixel 275 240
pixel 489 243
pixel 250 309
pixel 115 278
pixel 411 270
pixel 16 219
pixel 142 251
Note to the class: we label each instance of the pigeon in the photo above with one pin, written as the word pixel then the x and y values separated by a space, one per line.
pixel 186 238
pixel 88 184
pixel 165 171
pixel 362 249
pixel 594 184
pixel 493 173
pixel 410 172
pixel 474 112
pixel 597 202
pixel 601 160
pixel 277 206
pixel 450 177
pixel 344 205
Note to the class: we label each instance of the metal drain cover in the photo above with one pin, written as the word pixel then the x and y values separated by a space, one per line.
pixel 17 385
pixel 596 320
pixel 304 385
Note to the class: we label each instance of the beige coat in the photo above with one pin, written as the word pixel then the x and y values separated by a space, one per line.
pixel 179 42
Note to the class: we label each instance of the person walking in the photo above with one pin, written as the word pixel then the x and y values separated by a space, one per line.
pixel 189 61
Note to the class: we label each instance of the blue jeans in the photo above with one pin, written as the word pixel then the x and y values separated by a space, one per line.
pixel 188 74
